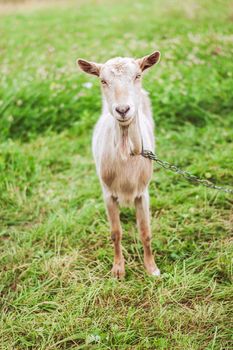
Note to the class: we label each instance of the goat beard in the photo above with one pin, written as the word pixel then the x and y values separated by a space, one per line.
pixel 135 137
pixel 124 145
pixel 130 140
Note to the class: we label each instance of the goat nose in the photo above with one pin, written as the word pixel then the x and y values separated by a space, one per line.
pixel 122 110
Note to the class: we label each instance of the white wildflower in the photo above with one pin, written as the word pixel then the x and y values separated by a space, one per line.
pixel 10 118
pixel 19 103
pixel 93 338
pixel 88 85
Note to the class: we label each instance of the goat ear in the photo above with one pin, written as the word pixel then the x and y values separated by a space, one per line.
pixel 89 67
pixel 148 61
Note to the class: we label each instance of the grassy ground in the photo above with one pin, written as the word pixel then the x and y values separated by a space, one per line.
pixel 56 254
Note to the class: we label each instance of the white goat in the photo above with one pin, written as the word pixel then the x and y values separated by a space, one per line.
pixel 125 126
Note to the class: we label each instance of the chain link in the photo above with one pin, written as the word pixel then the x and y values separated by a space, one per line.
pixel 188 176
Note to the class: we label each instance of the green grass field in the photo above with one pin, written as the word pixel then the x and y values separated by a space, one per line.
pixel 55 249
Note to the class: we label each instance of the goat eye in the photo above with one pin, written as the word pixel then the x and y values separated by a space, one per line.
pixel 103 82
pixel 138 76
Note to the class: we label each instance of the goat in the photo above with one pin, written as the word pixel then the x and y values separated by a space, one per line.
pixel 124 128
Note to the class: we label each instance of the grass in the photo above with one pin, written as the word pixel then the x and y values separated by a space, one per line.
pixel 56 254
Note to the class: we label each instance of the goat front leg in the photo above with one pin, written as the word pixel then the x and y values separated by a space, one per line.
pixel 118 269
pixel 143 221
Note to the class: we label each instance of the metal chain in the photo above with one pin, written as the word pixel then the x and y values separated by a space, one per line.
pixel 185 174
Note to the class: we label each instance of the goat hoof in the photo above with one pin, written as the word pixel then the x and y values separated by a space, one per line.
pixel 118 271
pixel 153 270
pixel 156 273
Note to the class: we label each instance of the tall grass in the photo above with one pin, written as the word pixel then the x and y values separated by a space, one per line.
pixel 55 249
